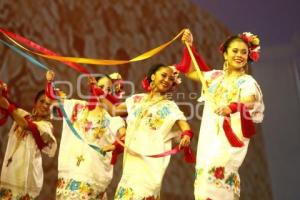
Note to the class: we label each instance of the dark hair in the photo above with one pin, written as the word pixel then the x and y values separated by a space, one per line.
pixel 38 95
pixel 104 75
pixel 153 69
pixel 226 44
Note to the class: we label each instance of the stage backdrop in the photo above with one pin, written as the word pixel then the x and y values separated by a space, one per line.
pixel 119 30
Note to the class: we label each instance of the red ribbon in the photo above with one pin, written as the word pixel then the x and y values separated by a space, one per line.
pixel 117 151
pixel 188 133
pixel 247 124
pixel 11 108
pixel 95 93
pixel 189 156
pixel 98 92
pixel 35 133
pixel 49 92
pixel 5 114
pixel 185 62
pixel 42 49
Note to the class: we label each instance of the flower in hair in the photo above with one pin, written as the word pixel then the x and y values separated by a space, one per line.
pixel 146 85
pixel 253 44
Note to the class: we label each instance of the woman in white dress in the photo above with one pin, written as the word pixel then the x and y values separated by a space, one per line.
pixel 31 134
pixel 233 101
pixel 84 168
pixel 150 130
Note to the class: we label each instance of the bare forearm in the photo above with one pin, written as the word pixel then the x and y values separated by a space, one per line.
pixel 112 109
pixel 19 118
pixel 183 125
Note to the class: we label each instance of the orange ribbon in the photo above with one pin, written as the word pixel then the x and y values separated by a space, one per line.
pixel 91 61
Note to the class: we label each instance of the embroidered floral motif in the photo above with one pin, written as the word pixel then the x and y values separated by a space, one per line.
pixel 8 195
pixel 26 197
pixel 199 172
pixel 155 121
pixel 128 194
pixel 77 189
pixel 224 91
pixel 164 112
pixel 93 123
pixel 5 193
pixel 150 198
pixel 220 178
pixel 78 108
pixel 232 180
pixel 218 172
pixel 124 193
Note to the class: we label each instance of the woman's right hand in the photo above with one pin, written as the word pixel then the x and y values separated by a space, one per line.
pixel 50 75
pixel 187 37
pixel 3 102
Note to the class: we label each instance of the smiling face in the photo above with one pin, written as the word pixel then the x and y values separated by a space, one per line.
pixel 236 54
pixel 42 106
pixel 105 84
pixel 163 79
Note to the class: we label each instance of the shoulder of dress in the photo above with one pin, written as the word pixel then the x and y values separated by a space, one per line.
pixel 246 79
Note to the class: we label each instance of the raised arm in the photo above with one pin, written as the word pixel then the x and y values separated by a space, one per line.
pixel 114 110
pixel 186 65
pixel 14 112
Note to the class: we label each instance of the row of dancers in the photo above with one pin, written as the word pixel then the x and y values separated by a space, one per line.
pixel 94 132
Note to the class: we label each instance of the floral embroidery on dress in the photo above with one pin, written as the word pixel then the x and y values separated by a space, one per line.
pixel 128 194
pixel 5 193
pixel 124 193
pixel 224 91
pixel 77 189
pixel 218 172
pixel 94 125
pixel 222 178
pixel 156 120
pixel 8 195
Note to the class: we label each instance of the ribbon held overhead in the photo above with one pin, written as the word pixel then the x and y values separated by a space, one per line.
pixel 70 61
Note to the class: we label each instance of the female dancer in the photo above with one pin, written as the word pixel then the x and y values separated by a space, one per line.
pixel 31 134
pixel 83 172
pixel 233 100
pixel 150 122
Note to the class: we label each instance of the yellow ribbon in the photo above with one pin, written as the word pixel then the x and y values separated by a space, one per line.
pixel 91 61
pixel 199 73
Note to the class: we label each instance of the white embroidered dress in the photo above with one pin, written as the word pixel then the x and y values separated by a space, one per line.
pixel 218 162
pixel 83 172
pixel 23 175
pixel 149 132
